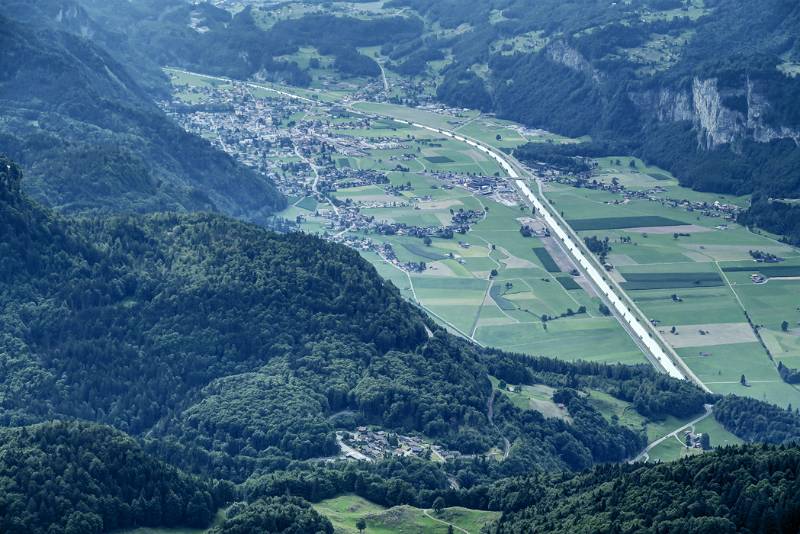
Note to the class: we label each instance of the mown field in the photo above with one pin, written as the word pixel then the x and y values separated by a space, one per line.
pixel 345 511
pixel 693 272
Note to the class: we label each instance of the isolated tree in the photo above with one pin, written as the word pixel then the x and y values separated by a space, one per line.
pixel 705 441
pixel 604 309
pixel 743 380
pixel 438 505
pixel 785 326
pixel 361 524
pixel 427 240
pixel 493 273
pixel 450 529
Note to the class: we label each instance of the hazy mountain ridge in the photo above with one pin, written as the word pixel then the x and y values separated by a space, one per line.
pixel 91 138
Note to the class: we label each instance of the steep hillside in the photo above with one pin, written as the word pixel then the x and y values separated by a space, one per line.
pixel 232 349
pixel 84 478
pixel 91 139
pixel 203 37
pixel 730 490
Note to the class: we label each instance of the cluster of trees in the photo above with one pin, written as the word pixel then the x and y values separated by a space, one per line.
pixel 81 478
pixel 653 395
pixel 729 490
pixel 598 246
pixel 758 422
pixel 275 515
pixel 788 374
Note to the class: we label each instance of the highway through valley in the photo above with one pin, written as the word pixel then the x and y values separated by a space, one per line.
pixel 637 325
pixel 657 350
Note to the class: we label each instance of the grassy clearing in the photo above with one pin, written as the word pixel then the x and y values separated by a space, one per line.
pixel 218 519
pixel 344 511
pixel 614 409
pixel 536 397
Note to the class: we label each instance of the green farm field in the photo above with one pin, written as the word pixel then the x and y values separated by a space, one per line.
pixel 456 288
pixel 695 276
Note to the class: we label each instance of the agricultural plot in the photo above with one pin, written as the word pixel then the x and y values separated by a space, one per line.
pixel 547 260
pixel 639 281
pixel 693 272
pixel 614 223
pixel 456 287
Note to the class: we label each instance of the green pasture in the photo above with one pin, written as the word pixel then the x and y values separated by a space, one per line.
pixel 591 339
pixel 697 306
pixel 344 512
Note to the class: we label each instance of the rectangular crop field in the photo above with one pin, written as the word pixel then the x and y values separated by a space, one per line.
pixel 567 282
pixel 439 160
pixel 615 223
pixel 639 281
pixel 771 271
pixel 503 303
pixel 424 252
pixel 547 260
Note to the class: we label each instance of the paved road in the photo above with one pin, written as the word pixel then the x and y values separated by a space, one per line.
pixel 644 454
pixel 429 516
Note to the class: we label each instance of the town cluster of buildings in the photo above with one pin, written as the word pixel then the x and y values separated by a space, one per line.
pixel 379 444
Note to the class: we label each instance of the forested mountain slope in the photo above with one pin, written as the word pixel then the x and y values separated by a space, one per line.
pixel 81 478
pixel 755 489
pixel 232 349
pixel 92 139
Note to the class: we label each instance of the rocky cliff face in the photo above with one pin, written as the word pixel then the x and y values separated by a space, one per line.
pixel 717 124
pixel 563 54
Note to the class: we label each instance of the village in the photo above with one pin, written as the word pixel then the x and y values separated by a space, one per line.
pixel 367 444
pixel 283 139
